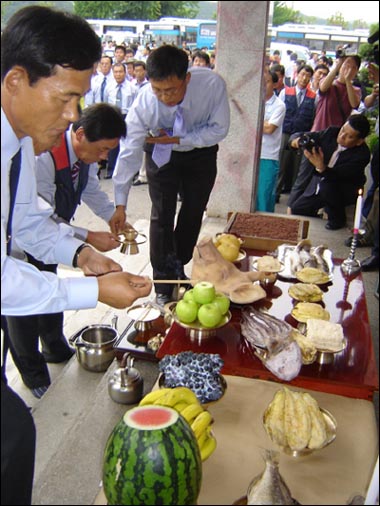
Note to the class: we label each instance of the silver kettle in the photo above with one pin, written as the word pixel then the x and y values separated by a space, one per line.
pixel 126 385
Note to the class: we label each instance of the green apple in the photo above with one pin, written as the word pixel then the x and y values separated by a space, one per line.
pixel 186 311
pixel 189 295
pixel 204 292
pixel 209 315
pixel 222 301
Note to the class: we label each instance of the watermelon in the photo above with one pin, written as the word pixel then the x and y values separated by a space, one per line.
pixel 152 457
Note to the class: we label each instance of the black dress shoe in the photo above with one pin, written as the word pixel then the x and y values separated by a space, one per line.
pixel 139 183
pixel 333 225
pixel 108 176
pixel 163 298
pixel 370 263
pixel 52 358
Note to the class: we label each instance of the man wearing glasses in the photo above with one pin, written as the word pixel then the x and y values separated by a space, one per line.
pixel 178 119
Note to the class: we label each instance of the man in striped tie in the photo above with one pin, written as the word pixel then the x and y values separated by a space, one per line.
pixel 178 119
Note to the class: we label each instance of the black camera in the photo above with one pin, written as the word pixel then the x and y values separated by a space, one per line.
pixel 346 50
pixel 307 142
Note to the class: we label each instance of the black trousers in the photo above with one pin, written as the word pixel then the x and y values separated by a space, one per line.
pixel 18 446
pixel 193 173
pixel 24 333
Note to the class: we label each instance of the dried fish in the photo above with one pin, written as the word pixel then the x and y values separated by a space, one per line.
pixel 269 486
pixel 263 330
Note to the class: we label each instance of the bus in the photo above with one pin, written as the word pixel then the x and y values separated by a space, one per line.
pixel 120 30
pixel 206 34
pixel 318 37
pixel 172 31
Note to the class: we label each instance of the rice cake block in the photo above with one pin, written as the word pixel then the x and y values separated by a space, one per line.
pixel 325 335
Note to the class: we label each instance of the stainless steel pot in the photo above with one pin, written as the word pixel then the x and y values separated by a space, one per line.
pixel 126 385
pixel 94 346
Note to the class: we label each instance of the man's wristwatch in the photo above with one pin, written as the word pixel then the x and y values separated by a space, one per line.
pixel 77 253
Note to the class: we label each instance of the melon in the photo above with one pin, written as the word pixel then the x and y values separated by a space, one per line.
pixel 152 457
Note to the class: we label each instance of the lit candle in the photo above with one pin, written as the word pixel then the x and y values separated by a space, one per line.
pixel 358 212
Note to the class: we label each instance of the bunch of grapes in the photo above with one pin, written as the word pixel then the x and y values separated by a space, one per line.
pixel 198 371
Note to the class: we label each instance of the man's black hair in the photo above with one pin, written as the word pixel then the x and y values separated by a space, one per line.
pixel 359 123
pixel 167 61
pixel 40 38
pixel 274 76
pixel 101 121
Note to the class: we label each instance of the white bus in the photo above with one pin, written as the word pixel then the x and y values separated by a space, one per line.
pixel 120 30
pixel 318 37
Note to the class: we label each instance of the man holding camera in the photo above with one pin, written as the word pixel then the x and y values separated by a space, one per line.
pixel 337 95
pixel 333 170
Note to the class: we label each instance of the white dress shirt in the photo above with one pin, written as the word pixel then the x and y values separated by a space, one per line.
pixel 274 114
pixel 93 195
pixel 128 93
pixel 25 289
pixel 94 97
pixel 206 114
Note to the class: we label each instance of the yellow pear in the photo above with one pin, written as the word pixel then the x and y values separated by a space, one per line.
pixel 228 251
pixel 231 238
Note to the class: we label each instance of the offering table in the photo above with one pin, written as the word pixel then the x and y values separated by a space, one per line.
pixel 353 372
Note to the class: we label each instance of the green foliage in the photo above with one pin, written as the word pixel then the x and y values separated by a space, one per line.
pixel 283 14
pixel 135 10
pixel 337 19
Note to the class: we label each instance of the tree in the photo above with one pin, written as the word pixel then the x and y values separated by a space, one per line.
pixel 135 10
pixel 337 19
pixel 284 14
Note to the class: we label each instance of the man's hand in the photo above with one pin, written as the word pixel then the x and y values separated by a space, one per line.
pixel 102 241
pixel 315 157
pixel 121 289
pixel 373 72
pixel 117 222
pixel 93 263
pixel 163 138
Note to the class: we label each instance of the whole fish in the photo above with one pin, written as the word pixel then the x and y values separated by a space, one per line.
pixel 269 487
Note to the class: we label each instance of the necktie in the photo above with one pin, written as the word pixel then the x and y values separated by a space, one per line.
pixel 75 171
pixel 299 98
pixel 102 89
pixel 334 157
pixel 14 176
pixel 118 97
pixel 162 152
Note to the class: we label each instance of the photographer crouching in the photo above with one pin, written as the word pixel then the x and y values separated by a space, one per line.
pixel 331 171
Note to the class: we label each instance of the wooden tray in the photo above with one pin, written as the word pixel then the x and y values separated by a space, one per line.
pixel 252 241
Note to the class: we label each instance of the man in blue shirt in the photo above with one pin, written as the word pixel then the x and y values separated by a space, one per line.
pixel 186 111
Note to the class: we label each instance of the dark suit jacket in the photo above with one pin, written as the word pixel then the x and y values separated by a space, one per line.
pixel 348 170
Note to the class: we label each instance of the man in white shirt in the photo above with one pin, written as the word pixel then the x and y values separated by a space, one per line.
pixel 193 106
pixel 47 60
pixel 88 141
pixel 270 146
pixel 120 93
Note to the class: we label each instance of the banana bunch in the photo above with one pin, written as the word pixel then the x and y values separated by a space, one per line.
pixel 294 420
pixel 184 400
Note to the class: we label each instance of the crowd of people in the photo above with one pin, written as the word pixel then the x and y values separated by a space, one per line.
pixel 74 107
pixel 322 157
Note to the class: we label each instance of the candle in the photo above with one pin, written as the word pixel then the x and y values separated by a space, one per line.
pixel 358 212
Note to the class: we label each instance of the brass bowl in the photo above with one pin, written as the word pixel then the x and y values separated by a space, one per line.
pixel 223 382
pixel 143 316
pixel 197 332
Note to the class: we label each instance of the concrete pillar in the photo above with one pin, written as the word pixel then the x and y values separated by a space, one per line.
pixel 241 44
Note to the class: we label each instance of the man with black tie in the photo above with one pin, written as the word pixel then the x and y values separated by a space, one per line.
pixel 332 171
pixel 66 175
pixel 47 59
